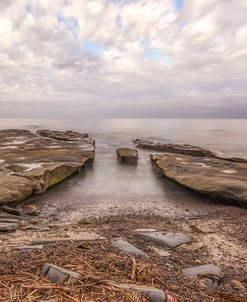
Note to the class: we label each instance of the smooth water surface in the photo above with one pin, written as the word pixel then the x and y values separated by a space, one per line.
pixel 110 186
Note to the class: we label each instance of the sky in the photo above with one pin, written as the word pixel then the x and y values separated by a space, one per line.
pixel 123 58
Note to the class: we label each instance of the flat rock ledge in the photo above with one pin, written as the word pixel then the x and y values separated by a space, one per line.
pixel 30 163
pixel 127 156
pixel 186 149
pixel 215 177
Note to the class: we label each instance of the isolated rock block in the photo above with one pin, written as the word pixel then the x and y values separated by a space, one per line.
pixel 127 156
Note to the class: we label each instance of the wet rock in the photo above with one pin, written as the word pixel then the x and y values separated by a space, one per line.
pixel 127 155
pixel 10 210
pixel 171 240
pixel 127 248
pixel 30 164
pixel 62 135
pixel 154 294
pixel 58 274
pixel 218 178
pixel 186 149
pixel 8 226
pixel 206 269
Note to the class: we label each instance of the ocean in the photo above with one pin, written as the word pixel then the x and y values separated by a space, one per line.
pixel 108 187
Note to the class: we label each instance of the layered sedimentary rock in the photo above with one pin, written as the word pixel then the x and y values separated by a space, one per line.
pixel 186 149
pixel 212 176
pixel 127 155
pixel 30 163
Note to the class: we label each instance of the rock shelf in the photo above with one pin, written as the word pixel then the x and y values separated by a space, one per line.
pixel 31 163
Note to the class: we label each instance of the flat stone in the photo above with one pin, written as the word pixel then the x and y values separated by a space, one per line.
pixel 62 135
pixel 10 210
pixel 210 269
pixel 161 252
pixel 144 230
pixel 215 179
pixel 127 155
pixel 30 163
pixel 11 220
pixel 154 294
pixel 30 247
pixel 84 236
pixel 127 248
pixel 8 226
pixel 72 236
pixel 186 149
pixel 171 240
pixel 58 274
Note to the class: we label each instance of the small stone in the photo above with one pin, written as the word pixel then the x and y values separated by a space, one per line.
pixel 171 240
pixel 127 155
pixel 10 210
pixel 161 252
pixel 192 246
pixel 58 274
pixel 8 226
pixel 30 247
pixel 238 284
pixel 154 294
pixel 72 236
pixel 11 220
pixel 144 230
pixel 202 270
pixel 127 248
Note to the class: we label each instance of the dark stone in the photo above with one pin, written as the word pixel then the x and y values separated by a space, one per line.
pixel 58 274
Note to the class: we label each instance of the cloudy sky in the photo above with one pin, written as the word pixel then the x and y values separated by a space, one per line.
pixel 123 58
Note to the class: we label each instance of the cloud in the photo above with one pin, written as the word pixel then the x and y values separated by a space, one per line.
pixel 118 55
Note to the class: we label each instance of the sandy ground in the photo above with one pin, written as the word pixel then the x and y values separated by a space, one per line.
pixel 218 237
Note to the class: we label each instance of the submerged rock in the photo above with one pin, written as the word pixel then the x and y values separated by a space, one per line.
pixel 29 164
pixel 127 155
pixel 186 149
pixel 215 177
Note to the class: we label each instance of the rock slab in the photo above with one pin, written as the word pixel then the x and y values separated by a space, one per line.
pixel 218 178
pixel 127 248
pixel 30 163
pixel 58 274
pixel 186 149
pixel 171 240
pixel 154 294
pixel 206 269
pixel 127 156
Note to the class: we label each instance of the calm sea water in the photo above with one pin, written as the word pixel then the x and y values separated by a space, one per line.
pixel 109 186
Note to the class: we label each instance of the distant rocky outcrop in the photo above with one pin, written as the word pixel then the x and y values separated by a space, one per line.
pixel 29 163
pixel 212 176
pixel 127 155
pixel 186 149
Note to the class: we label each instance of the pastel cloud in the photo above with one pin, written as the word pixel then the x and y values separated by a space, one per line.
pixel 97 53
